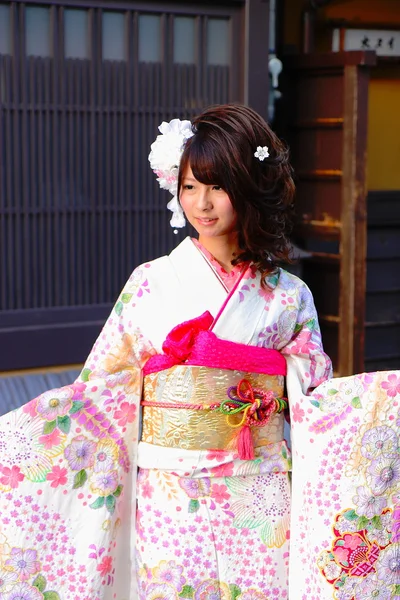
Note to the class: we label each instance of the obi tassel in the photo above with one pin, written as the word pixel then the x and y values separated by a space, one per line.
pixel 257 407
pixel 245 443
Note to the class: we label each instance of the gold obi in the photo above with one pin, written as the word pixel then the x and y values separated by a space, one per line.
pixel 193 429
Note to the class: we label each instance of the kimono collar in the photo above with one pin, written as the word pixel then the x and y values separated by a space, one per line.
pixel 229 279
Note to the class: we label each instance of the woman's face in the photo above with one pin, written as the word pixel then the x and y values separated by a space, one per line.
pixel 207 208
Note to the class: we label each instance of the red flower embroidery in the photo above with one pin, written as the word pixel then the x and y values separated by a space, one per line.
pixel 105 566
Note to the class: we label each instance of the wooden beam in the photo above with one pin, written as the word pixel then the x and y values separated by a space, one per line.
pixel 353 219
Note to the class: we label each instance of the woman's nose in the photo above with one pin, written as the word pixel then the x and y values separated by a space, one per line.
pixel 203 200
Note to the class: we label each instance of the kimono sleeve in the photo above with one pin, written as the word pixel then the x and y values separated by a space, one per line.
pixel 121 349
pixel 304 352
pixel 68 470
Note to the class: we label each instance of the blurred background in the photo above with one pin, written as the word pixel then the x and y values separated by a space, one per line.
pixel 84 85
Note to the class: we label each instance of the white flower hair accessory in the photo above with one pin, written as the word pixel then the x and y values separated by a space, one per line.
pixel 261 152
pixel 165 157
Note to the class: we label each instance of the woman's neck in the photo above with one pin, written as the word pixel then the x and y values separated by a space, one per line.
pixel 223 250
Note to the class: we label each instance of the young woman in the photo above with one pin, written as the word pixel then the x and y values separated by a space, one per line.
pixel 162 472
pixel 209 517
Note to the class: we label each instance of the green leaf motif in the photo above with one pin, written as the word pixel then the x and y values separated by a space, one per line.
pixel 119 308
pixel 40 583
pixel 332 392
pixel 110 504
pixel 284 453
pixel 49 427
pixel 85 374
pixel 99 503
pixel 340 543
pixel 356 402
pixel 350 515
pixel 76 407
pixel 80 479
pixel 376 522
pixel 51 596
pixel 125 298
pixel 310 324
pixel 64 424
pixel 362 523
pixel 187 592
pixel 315 403
pixel 235 591
pixel 118 491
pixel 194 506
pixel 396 590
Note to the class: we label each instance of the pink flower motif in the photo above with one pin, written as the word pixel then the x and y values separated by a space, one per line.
pixel 57 476
pixel 24 562
pixel 392 385
pixel 298 413
pixel 147 490
pixel 125 414
pixel 219 493
pixel 51 439
pixel 267 295
pixel 225 470
pixel 351 541
pixel 252 594
pixel 105 566
pixel 341 554
pixel 11 477
pixel 30 408
pixel 216 454
pixel 78 389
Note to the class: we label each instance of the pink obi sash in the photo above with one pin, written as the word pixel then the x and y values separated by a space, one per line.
pixel 193 343
pixel 232 390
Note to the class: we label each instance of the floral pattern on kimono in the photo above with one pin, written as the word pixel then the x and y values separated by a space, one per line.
pixel 348 502
pixel 68 459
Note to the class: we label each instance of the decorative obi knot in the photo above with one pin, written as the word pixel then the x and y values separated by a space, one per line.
pixel 257 407
pixel 193 343
pixel 179 342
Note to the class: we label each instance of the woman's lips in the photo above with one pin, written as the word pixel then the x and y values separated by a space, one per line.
pixel 204 221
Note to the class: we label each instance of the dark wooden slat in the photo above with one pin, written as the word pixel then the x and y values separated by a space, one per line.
pixel 319 123
pixel 66 133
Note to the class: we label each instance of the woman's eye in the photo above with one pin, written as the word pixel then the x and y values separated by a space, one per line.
pixel 218 188
pixel 187 187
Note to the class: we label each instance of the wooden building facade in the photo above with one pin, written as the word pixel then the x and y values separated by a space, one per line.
pixel 340 114
pixel 84 85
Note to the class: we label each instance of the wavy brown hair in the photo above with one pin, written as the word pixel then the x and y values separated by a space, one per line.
pixel 222 153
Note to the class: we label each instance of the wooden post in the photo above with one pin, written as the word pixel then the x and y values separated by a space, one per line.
pixel 354 217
